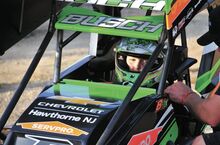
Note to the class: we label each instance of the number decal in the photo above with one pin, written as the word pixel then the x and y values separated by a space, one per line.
pixel 145 138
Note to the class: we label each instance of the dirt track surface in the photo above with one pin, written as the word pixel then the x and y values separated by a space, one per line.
pixel 16 61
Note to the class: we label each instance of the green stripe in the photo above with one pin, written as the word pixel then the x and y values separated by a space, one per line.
pixel 168 6
pixel 204 80
pixel 77 88
pixel 171 133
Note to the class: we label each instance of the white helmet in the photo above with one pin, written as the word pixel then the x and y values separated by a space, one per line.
pixel 130 58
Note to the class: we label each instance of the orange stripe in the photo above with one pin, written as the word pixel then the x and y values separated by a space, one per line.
pixel 175 11
pixel 215 89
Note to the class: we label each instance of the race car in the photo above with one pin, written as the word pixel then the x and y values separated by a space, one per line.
pixel 84 105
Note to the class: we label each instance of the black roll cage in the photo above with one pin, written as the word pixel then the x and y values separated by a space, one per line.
pixel 166 35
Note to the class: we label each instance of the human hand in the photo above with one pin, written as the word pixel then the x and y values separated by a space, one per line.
pixel 178 92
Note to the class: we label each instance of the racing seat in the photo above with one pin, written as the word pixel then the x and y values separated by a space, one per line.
pixel 103 65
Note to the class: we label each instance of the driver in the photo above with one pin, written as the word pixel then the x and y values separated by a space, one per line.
pixel 131 55
pixel 135 64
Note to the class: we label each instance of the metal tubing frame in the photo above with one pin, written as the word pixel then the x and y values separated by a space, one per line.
pixel 59 47
pixel 167 62
pixel 9 136
pixel 184 44
pixel 31 68
pixel 21 17
pixel 25 80
pixel 73 36
pixel 2 136
pixel 58 56
pixel 183 38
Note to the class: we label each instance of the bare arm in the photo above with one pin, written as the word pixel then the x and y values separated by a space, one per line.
pixel 208 110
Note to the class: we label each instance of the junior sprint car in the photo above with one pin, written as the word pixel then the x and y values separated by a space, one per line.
pixel 82 107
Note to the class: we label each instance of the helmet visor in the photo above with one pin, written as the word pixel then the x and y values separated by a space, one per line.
pixel 135 63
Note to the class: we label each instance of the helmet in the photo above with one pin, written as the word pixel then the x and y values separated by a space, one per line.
pixel 131 55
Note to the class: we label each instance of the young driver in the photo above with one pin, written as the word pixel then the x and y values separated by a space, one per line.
pixel 131 55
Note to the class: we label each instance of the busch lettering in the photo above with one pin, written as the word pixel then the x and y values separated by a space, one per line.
pixel 112 22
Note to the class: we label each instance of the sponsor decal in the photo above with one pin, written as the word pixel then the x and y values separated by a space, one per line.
pixel 161 104
pixel 146 138
pixel 175 13
pixel 176 9
pixel 53 127
pixel 41 140
pixel 182 22
pixel 70 107
pixel 156 5
pixel 54 115
pixel 175 31
pixel 165 117
pixel 112 22
pixel 85 118
pixel 81 101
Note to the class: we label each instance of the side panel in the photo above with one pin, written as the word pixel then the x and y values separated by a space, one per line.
pixel 52 121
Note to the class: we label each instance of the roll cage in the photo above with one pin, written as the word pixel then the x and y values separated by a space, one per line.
pixel 176 15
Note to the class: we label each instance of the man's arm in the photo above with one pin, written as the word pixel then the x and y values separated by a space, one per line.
pixel 208 110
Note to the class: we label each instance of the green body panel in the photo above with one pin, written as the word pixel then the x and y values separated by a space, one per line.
pixel 168 6
pixel 76 88
pixel 171 133
pixel 144 27
pixel 157 5
pixel 204 80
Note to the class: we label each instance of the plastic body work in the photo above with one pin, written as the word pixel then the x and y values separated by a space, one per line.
pixel 84 105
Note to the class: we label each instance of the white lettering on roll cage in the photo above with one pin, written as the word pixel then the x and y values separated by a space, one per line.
pixel 157 6
pixel 112 22
pixel 188 16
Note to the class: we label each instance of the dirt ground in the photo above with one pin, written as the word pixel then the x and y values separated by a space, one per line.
pixel 16 61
